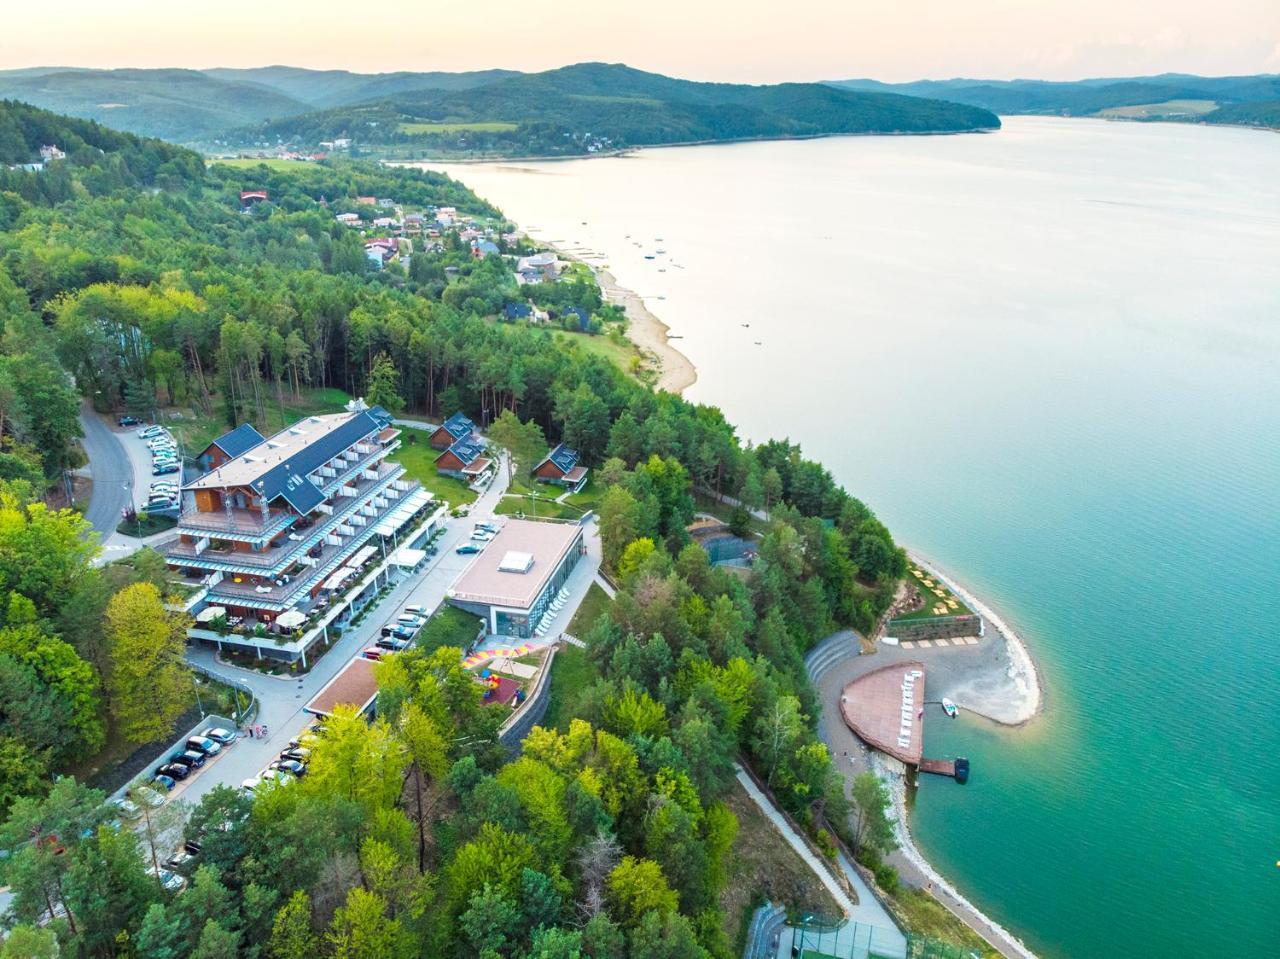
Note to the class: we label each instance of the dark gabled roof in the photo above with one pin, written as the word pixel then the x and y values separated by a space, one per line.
pixel 468 449
pixel 562 458
pixel 240 440
pixel 381 416
pixel 516 310
pixel 289 479
pixel 459 426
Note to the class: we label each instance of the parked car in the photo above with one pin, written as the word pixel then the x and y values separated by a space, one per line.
pixel 219 735
pixel 467 549
pixel 291 766
pixel 147 796
pixel 249 785
pixel 189 758
pixel 128 809
pixel 392 644
pixel 373 652
pixel 308 738
pixel 420 611
pixel 301 753
pixel 127 421
pixel 180 860
pixel 480 536
pixel 173 770
pixel 171 881
pixel 163 781
pixel 147 432
pixel 165 469
pixel 487 527
pixel 204 744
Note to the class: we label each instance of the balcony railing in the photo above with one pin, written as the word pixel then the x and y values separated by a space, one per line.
pixel 268 562
pixel 269 594
pixel 236 523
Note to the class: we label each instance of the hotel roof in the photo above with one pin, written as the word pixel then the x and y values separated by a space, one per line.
pixel 458 425
pixel 562 457
pixel 486 581
pixel 355 686
pixel 278 466
pixel 240 440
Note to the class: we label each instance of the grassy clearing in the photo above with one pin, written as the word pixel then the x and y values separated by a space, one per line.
pixel 196 431
pixel 480 126
pixel 586 498
pixel 594 605
pixel 535 506
pixel 1169 108
pixel 763 867
pixel 449 627
pixel 619 350
pixel 937 597
pixel 271 162
pixel 573 673
pixel 927 918
pixel 419 462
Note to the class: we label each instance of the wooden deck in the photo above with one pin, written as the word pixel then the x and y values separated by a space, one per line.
pixel 873 707
pixel 939 767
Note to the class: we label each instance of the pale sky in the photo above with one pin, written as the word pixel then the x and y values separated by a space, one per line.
pixel 747 41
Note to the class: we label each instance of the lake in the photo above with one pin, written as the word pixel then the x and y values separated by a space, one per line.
pixel 1049 358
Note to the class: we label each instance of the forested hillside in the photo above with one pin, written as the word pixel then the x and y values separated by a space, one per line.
pixel 415 834
pixel 1237 97
pixel 598 106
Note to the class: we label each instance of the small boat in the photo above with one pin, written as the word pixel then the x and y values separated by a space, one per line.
pixel 746 326
pixel 758 343
pixel 949 707
pixel 962 770
pixel 648 256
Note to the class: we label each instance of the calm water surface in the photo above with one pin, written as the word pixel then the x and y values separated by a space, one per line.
pixel 1048 357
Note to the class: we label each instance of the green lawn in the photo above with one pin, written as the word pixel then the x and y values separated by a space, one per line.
pixel 586 498
pixel 931 598
pixel 148 524
pixel 196 431
pixel 619 351
pixel 272 162
pixel 419 462
pixel 511 505
pixel 594 605
pixel 480 126
pixel 449 627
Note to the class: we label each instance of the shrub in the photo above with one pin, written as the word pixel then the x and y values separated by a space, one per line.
pixel 825 844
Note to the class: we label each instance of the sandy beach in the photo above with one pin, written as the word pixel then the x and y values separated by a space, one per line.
pixel 1006 691
pixel 675 372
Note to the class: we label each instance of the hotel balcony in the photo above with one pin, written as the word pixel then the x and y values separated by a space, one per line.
pixel 242 525
pixel 272 597
pixel 341 469
pixel 374 485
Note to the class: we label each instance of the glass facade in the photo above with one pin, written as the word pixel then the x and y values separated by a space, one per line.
pixel 522 625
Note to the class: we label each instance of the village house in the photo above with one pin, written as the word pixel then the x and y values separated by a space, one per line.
pixel 348 219
pixel 482 248
pixel 538 268
pixel 464 460
pixel 456 427
pixel 413 223
pixel 51 152
pixel 367 200
pixel 561 468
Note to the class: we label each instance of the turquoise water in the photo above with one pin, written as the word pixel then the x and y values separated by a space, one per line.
pixel 1048 358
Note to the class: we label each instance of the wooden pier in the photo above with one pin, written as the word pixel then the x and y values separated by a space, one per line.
pixel 939 767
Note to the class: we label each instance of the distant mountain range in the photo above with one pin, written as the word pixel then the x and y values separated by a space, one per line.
pixel 574 109
pixel 1251 100
pixel 587 107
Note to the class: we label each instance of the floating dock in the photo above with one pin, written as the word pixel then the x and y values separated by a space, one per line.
pixel 885 709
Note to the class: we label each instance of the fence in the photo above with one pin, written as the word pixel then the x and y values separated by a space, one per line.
pixel 819 937
pixel 935 627
pixel 530 713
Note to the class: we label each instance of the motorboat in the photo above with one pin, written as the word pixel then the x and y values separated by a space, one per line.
pixel 949 707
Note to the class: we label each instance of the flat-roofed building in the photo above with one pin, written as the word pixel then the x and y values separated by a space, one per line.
pixel 513 582
pixel 355 685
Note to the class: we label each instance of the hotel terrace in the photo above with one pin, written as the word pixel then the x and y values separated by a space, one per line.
pixel 282 525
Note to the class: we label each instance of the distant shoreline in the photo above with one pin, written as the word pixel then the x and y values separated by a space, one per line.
pixel 628 151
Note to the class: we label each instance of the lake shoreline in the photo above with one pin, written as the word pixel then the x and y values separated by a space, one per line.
pixel 1022 698
pixel 651 336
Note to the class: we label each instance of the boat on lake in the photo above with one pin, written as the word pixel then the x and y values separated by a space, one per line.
pixel 949 707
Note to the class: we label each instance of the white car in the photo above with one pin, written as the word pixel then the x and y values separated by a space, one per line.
pixel 480 536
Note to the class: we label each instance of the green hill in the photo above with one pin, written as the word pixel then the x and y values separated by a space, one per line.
pixel 599 106
pixel 180 105
pixel 1091 97
pixel 329 88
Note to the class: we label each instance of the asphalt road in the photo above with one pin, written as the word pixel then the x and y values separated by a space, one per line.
pixel 111 470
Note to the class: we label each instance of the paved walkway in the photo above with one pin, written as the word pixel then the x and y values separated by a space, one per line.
pixel 110 468
pixel 866 912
